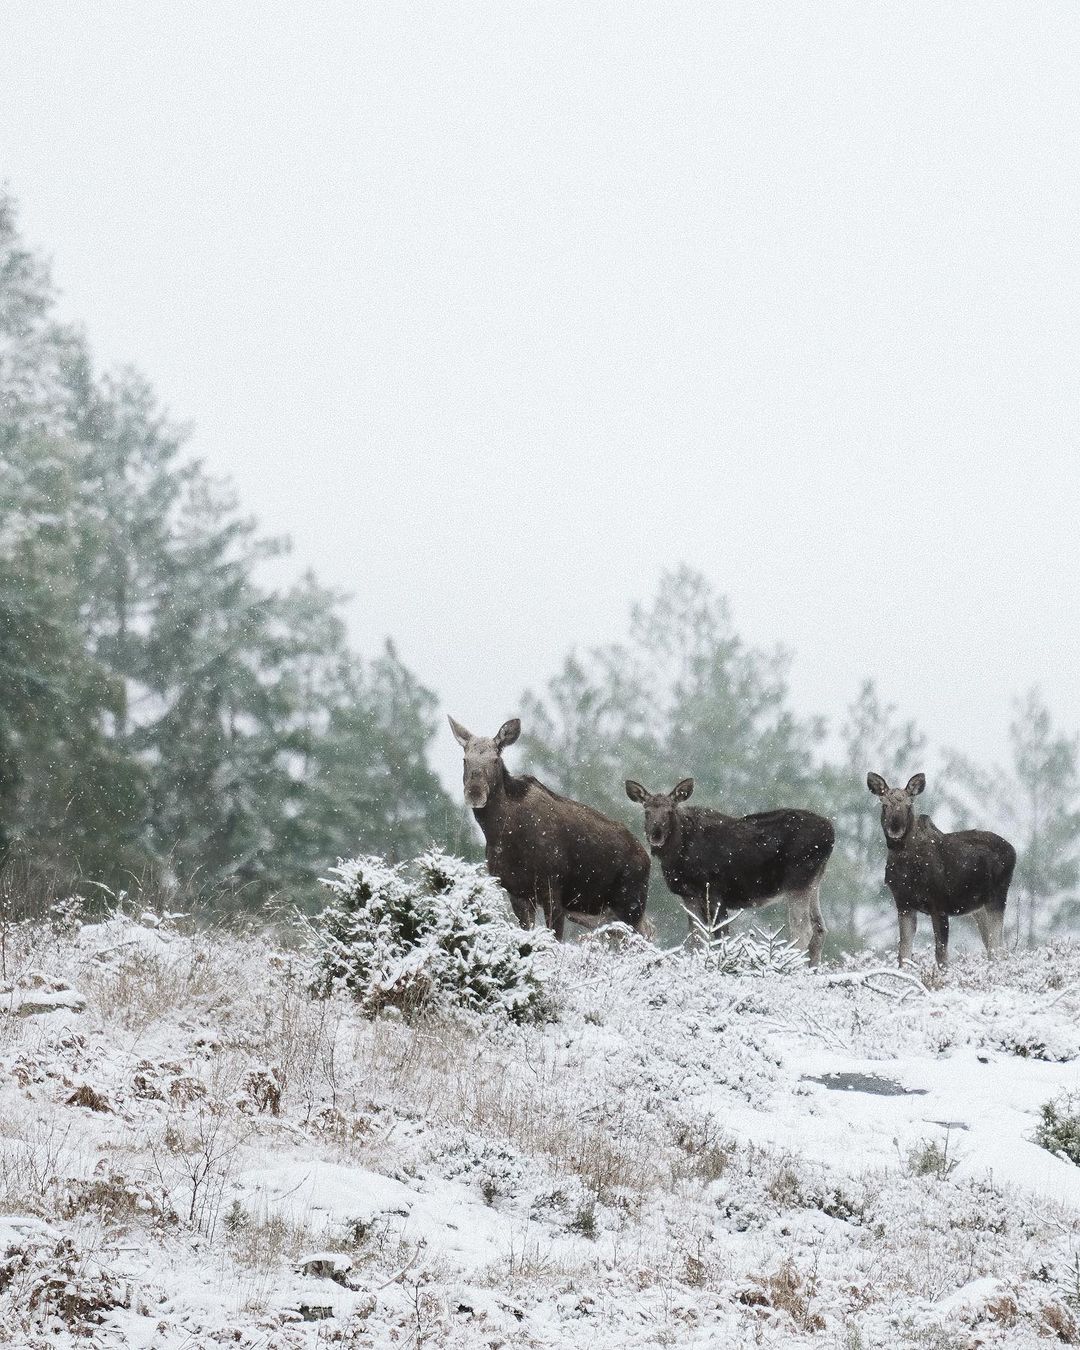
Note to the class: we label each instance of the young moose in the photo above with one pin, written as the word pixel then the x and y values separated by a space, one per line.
pixel 548 850
pixel 930 872
pixel 717 862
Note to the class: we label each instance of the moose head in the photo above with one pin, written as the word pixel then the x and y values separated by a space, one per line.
pixel 483 762
pixel 897 804
pixel 660 809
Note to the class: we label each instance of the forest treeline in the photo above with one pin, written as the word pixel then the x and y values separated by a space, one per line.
pixel 166 715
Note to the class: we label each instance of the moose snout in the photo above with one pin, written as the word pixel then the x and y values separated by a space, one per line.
pixel 476 794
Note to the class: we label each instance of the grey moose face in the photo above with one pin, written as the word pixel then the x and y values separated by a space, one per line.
pixel 897 804
pixel 483 759
pixel 660 809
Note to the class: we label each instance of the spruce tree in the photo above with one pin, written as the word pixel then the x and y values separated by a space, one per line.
pixel 683 696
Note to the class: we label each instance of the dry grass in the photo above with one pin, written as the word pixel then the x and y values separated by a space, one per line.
pixel 444 1074
pixel 705 1152
pixel 136 988
pixel 786 1290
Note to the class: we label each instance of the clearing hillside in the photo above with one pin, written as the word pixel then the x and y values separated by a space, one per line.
pixel 194 1151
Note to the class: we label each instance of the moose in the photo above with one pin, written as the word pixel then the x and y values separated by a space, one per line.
pixel 548 850
pixel 932 872
pixel 715 863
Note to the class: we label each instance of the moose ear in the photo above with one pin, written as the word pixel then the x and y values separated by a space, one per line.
pixel 916 784
pixel 462 736
pixel 508 733
pixel 876 784
pixel 683 790
pixel 635 791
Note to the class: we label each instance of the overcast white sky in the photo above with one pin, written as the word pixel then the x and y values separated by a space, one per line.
pixel 501 309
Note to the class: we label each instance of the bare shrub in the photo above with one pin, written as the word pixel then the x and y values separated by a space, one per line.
pixel 193 1163
pixel 47 1279
pixel 1056 1320
pixel 295 1040
pixel 114 1199
pixel 785 1186
pixel 928 1158
pixel 29 892
pixel 261 1241
pixel 35 1158
pixel 263 1088
pixel 90 1098
pixel 447 1072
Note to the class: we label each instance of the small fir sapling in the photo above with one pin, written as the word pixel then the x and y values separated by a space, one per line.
pixel 433 932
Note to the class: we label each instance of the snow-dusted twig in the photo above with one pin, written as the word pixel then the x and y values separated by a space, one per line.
pixel 396 1279
pixel 911 983
pixel 103 953
pixel 1047 1216
pixel 813 1026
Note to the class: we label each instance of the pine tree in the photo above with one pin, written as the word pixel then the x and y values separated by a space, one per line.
pixel 684 696
pixel 1046 766
pixel 159 706
pixel 379 790
pixel 67 793
pixel 131 485
pixel 217 728
pixel 36 351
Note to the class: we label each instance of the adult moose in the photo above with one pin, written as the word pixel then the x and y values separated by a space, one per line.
pixel 931 872
pixel 715 863
pixel 548 850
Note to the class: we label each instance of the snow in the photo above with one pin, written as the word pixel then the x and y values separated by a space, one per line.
pixel 337 1262
pixel 23 1002
pixel 671 1159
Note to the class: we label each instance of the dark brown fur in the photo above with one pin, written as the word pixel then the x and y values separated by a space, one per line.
pixel 718 863
pixel 931 872
pixel 548 850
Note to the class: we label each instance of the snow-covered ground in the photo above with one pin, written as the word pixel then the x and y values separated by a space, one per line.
pixel 194 1152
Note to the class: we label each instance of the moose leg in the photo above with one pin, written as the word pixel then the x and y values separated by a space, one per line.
pixel 806 927
pixel 694 920
pixel 908 922
pixel 941 937
pixel 983 921
pixel 554 914
pixel 800 928
pixel 817 923
pixel 627 903
pixel 817 941
pixel 991 925
pixel 524 910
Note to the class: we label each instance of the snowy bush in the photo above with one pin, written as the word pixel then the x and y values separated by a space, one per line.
pixel 1032 1036
pixel 1059 1129
pixel 431 932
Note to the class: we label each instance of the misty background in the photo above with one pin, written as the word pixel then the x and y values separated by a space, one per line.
pixel 505 316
